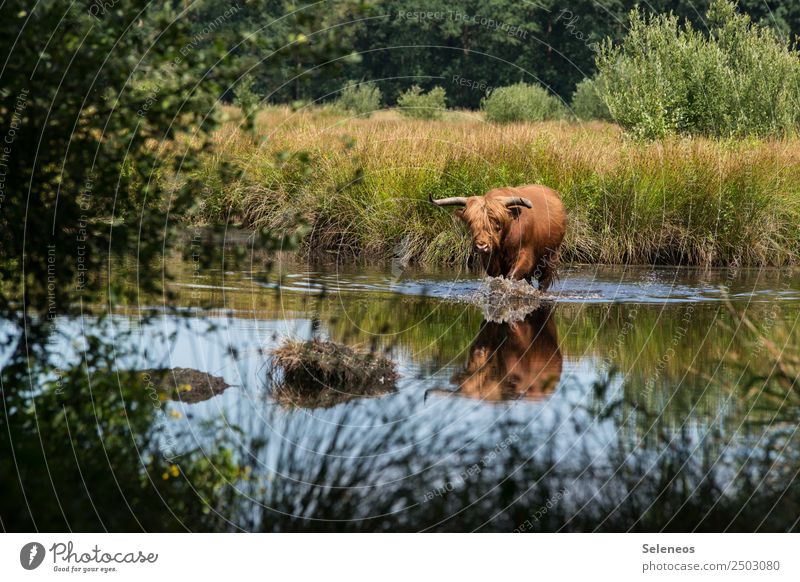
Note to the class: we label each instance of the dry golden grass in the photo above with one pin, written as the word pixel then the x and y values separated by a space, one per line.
pixel 323 373
pixel 362 186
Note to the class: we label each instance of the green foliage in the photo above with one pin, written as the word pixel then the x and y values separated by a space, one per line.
pixel 666 78
pixel 487 43
pixel 587 102
pixel 419 105
pixel 246 98
pixel 521 103
pixel 286 44
pixel 90 103
pixel 361 99
pixel 101 106
pixel 94 448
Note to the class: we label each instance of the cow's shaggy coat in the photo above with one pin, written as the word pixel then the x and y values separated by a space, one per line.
pixel 516 231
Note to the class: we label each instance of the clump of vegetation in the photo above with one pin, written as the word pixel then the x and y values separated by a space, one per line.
pixel 360 99
pixel 246 98
pixel 521 103
pixel 323 373
pixel 414 103
pixel 587 102
pixel 665 78
pixel 185 384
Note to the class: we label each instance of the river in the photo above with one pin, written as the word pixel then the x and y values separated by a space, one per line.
pixel 632 398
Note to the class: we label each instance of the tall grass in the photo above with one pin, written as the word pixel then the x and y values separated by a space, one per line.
pixel 360 188
pixel 326 476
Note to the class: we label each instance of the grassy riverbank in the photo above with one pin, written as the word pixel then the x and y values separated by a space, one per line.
pixel 360 187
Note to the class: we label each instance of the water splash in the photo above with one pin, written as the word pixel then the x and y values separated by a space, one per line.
pixel 506 300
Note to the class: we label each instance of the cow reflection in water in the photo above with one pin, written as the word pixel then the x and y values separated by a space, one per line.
pixel 511 361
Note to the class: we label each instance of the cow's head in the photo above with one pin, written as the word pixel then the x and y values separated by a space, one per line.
pixel 488 219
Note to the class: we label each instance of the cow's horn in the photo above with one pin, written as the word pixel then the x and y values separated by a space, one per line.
pixel 517 201
pixel 454 201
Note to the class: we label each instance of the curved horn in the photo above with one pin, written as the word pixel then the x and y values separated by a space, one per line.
pixel 455 201
pixel 517 201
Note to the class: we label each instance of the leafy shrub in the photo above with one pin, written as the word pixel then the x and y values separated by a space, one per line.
pixel 360 99
pixel 587 102
pixel 246 98
pixel 521 102
pixel 666 78
pixel 415 103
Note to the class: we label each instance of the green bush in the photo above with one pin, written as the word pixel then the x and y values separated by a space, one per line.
pixel 360 99
pixel 587 102
pixel 415 103
pixel 521 102
pixel 246 98
pixel 665 78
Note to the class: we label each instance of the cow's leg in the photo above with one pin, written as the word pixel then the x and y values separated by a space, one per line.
pixel 546 271
pixel 547 277
pixel 492 265
pixel 522 268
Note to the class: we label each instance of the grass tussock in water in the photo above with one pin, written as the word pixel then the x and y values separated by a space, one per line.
pixel 360 187
pixel 322 374
pixel 185 384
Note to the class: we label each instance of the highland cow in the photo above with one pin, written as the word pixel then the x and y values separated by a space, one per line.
pixel 516 231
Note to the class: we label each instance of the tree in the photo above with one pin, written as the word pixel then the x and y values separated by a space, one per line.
pixel 97 100
pixel 91 95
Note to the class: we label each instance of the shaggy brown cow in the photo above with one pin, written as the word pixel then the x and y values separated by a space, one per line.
pixel 515 231
pixel 511 361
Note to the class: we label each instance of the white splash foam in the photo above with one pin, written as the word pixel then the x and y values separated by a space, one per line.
pixel 506 300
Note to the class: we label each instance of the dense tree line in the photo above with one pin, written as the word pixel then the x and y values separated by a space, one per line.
pixel 465 46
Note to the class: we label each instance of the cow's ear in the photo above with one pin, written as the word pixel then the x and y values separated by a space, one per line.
pixel 515 211
pixel 459 213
